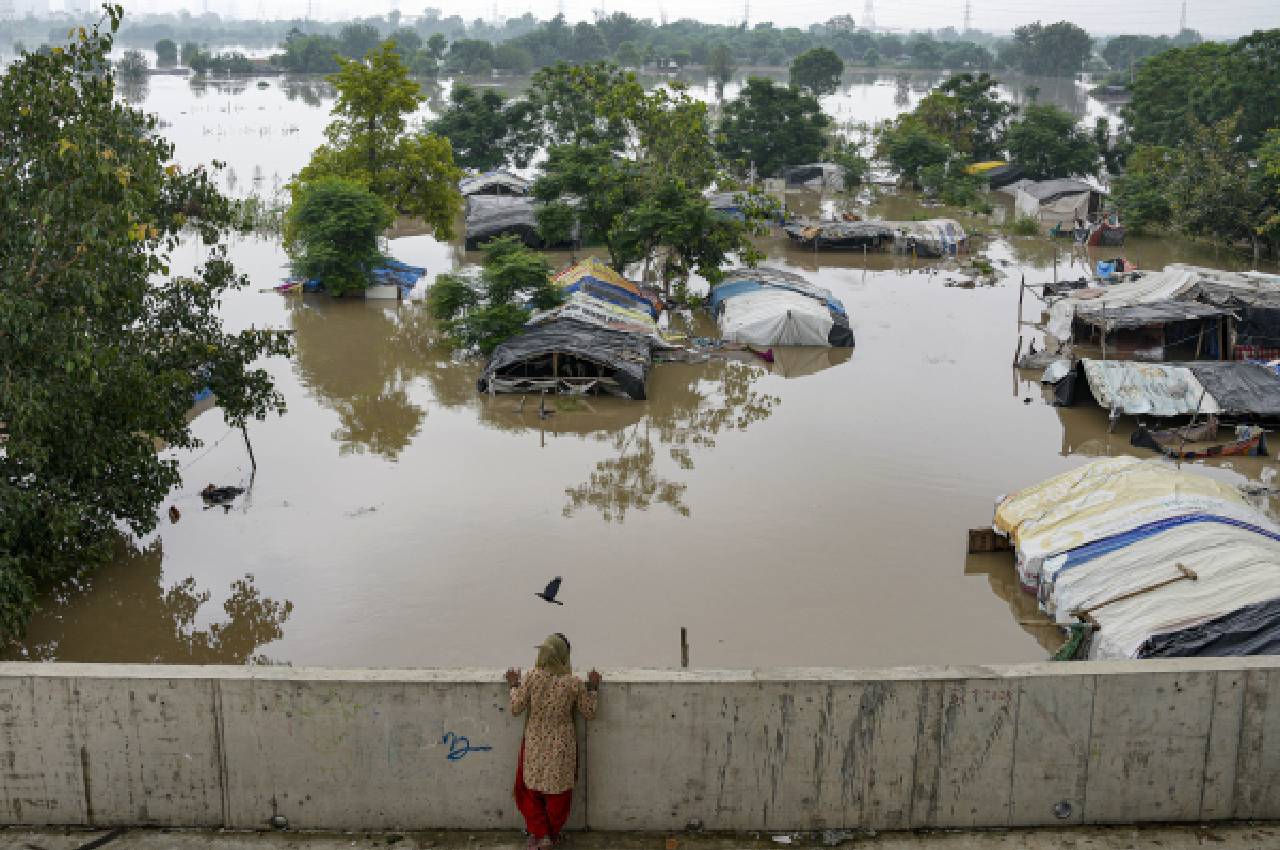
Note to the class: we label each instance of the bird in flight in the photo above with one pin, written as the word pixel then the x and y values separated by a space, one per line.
pixel 553 587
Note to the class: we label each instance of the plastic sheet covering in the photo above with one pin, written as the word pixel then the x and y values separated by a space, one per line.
pixel 937 237
pixel 1234 566
pixel 593 311
pixel 1056 371
pixel 1149 288
pixel 488 216
pixel 1151 389
pixel 776 317
pixel 1102 499
pixel 1240 389
pixel 750 279
pixel 494 183
pixel 841 234
pixel 1251 630
pixel 816 175
pixel 594 276
pixel 1146 315
pixel 626 356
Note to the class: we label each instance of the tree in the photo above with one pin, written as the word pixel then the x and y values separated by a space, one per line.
pixel 356 40
pixel 1047 142
pixel 1058 50
pixel 470 56
pixel 166 53
pixel 720 66
pixel 132 67
pixel 967 113
pixel 309 54
pixel 910 148
pixel 101 347
pixel 331 232
pixel 190 50
pixel 481 129
pixel 771 127
pixel 628 55
pixel 817 71
pixel 436 46
pixel 481 311
pixel 413 173
pixel 1125 51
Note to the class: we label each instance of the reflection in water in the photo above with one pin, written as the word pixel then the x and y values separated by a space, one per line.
pixel 359 358
pixel 124 613
pixel 310 92
pixel 134 92
pixel 690 406
pixel 998 568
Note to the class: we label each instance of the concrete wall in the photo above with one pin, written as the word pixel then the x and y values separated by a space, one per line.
pixel 109 745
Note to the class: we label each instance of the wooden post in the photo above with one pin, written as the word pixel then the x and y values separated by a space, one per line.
pixel 684 647
pixel 1017 352
pixel 244 429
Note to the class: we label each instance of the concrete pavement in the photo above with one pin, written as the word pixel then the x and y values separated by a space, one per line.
pixel 1236 836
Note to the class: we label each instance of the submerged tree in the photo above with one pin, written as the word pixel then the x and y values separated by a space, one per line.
pixel 770 127
pixel 481 311
pixel 331 232
pixel 369 141
pixel 102 344
pixel 720 66
pixel 817 71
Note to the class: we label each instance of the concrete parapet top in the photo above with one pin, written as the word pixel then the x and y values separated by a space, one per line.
pixel 478 675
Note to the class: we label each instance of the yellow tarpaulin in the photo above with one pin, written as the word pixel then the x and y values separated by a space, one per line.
pixel 984 167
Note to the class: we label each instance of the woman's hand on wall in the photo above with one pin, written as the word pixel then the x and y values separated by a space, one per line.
pixel 593 680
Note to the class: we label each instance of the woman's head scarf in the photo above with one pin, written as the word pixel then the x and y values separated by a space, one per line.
pixel 553 655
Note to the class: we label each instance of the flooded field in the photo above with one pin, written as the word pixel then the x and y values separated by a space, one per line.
pixel 808 512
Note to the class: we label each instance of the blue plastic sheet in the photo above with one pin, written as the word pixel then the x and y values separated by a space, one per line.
pixel 1088 552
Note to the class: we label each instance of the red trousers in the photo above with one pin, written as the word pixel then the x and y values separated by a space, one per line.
pixel 544 814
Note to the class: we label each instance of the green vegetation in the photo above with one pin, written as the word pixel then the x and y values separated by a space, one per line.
pixel 331 233
pixel 101 349
pixel 720 66
pixel 132 67
pixel 1023 226
pixel 1202 142
pixel 770 127
pixel 482 310
pixel 637 162
pixel 485 132
pixel 368 141
pixel 1048 142
pixel 910 148
pixel 1056 50
pixel 817 71
pixel 166 53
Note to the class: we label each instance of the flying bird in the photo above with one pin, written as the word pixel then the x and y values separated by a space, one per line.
pixel 553 587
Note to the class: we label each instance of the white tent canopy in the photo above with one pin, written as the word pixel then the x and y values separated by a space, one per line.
pixel 776 317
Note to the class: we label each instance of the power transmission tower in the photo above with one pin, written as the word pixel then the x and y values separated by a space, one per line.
pixel 560 8
pixel 662 14
pixel 869 15
pixel 968 15
pixel 1183 24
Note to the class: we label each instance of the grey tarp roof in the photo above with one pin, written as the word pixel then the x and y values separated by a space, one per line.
pixel 513 183
pixel 1146 315
pixel 494 215
pixel 1047 190
pixel 1246 389
pixel 628 355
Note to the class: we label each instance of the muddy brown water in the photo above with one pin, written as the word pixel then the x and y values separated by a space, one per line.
pixel 808 512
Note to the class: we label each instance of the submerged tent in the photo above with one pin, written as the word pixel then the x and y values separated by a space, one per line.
pixel 774 307
pixel 1159 559
pixel 567 355
pixel 841 235
pixel 815 175
pixel 489 216
pixel 1236 389
pixel 494 183
pixel 600 281
pixel 932 238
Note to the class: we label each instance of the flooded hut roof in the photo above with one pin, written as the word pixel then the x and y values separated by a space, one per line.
pixel 494 181
pixel 1149 288
pixel 767 306
pixel 1146 315
pixel 1104 540
pixel 1233 388
pixel 626 356
pixel 1047 191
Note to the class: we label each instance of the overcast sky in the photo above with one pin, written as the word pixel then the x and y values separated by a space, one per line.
pixel 1212 17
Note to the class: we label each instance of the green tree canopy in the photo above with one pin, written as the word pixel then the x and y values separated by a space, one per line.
pixel 132 67
pixel 720 66
pixel 1048 142
pixel 967 113
pixel 103 343
pixel 817 71
pixel 166 53
pixel 910 147
pixel 771 127
pixel 484 131
pixel 414 173
pixel 1056 50
pixel 190 50
pixel 331 232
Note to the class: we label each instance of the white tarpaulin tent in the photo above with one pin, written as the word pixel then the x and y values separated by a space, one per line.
pixel 1140 389
pixel 775 317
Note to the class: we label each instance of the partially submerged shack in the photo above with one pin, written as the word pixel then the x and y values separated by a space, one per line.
pixel 819 176
pixel 1060 202
pixel 494 183
pixel 1142 559
pixel 490 216
pixel 930 239
pixel 1235 390
pixel 766 306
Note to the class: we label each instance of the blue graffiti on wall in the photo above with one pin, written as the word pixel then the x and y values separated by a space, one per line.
pixel 460 745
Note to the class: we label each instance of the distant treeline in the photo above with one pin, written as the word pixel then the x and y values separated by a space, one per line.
pixel 431 43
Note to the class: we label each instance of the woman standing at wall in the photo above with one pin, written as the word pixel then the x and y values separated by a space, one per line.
pixel 548 765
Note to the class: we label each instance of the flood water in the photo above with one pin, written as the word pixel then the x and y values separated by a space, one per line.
pixel 811 512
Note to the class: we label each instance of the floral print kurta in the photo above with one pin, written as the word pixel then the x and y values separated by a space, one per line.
pixel 550 742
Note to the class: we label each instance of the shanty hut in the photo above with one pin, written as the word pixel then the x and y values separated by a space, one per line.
pixel 494 183
pixel 570 356
pixel 766 306
pixel 824 176
pixel 1055 202
pixel 489 216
